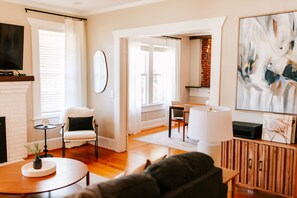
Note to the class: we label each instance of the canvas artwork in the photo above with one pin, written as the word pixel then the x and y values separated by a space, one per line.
pixel 267 63
pixel 279 128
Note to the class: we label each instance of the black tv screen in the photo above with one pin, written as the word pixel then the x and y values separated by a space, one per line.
pixel 11 47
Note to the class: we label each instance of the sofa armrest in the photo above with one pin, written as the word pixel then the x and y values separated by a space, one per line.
pixel 207 185
pixel 177 170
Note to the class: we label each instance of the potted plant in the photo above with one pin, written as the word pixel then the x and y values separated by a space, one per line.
pixel 37 163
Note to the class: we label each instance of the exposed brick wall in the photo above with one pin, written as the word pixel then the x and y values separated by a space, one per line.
pixel 205 62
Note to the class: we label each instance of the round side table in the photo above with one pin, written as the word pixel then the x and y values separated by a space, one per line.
pixel 42 127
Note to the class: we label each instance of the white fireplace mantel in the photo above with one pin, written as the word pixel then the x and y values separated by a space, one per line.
pixel 13 106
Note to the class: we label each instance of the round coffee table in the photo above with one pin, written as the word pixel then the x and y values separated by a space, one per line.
pixel 68 172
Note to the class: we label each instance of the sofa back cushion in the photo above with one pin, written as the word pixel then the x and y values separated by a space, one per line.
pixel 132 186
pixel 177 170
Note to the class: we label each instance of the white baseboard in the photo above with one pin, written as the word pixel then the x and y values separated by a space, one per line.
pixel 105 142
pixel 56 143
pixel 52 143
pixel 152 123
pixel 14 161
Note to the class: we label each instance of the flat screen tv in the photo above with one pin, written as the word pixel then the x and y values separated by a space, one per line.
pixel 11 47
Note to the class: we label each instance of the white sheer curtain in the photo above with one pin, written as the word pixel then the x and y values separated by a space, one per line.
pixel 169 81
pixel 172 70
pixel 75 63
pixel 134 87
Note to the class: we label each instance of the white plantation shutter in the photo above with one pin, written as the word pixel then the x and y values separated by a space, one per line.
pixel 52 72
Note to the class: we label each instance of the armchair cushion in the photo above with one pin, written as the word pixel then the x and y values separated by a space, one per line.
pixel 80 123
pixel 75 112
pixel 80 135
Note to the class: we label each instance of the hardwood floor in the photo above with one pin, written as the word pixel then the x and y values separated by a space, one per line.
pixel 109 163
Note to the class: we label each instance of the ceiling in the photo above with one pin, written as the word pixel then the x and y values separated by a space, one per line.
pixel 83 7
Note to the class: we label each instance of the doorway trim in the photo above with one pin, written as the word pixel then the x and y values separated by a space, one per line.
pixel 209 26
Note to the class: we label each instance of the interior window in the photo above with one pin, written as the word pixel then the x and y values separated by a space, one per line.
pixel 52 67
pixel 155 59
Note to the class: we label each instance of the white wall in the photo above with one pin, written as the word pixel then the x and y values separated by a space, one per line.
pixel 195 62
pixel 99 36
pixel 100 28
pixel 185 55
pixel 15 14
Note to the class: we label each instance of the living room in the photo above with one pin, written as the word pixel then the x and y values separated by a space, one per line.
pixel 104 31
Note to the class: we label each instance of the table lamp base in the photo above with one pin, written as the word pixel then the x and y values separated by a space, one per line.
pixel 213 149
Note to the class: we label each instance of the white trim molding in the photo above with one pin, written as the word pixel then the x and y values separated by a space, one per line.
pixel 36 25
pixel 56 143
pixel 210 26
pixel 153 123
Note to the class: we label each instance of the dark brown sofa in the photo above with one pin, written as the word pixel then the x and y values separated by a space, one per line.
pixel 188 175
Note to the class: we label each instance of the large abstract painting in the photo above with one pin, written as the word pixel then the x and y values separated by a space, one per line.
pixel 267 63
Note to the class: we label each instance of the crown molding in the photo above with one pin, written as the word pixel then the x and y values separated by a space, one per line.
pixel 121 7
pixel 81 12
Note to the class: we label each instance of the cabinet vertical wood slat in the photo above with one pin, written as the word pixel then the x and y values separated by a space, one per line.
pixel 263 165
pixel 294 172
pixel 244 159
pixel 280 170
pixel 261 169
pixel 231 153
pixel 256 164
pixel 272 169
pixel 237 155
pixel 287 189
pixel 251 166
pixel 266 160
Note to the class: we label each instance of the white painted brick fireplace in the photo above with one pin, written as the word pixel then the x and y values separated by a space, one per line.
pixel 13 107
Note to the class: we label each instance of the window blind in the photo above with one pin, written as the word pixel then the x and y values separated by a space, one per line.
pixel 52 71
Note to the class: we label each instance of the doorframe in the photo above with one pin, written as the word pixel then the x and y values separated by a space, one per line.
pixel 209 26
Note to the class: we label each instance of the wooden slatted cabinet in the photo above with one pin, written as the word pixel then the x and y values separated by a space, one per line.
pixel 263 165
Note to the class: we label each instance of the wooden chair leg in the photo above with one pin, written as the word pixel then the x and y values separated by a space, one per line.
pixel 184 131
pixel 96 148
pixel 178 125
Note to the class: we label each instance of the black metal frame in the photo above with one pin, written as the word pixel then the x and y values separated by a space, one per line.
pixel 96 141
pixel 56 14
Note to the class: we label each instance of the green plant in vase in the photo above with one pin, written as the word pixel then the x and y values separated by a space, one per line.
pixel 37 163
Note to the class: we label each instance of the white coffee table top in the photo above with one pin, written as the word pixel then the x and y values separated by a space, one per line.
pixel 48 167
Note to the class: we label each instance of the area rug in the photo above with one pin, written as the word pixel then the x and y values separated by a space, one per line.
pixel 94 179
pixel 175 141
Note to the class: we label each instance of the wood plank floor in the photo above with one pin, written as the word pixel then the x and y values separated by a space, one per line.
pixel 109 163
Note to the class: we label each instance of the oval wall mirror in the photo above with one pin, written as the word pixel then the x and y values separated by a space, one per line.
pixel 100 71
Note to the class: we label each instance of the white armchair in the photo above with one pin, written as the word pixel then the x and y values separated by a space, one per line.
pixel 78 124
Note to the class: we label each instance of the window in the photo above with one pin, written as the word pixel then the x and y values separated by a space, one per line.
pixel 52 67
pixel 48 52
pixel 155 63
pixel 144 76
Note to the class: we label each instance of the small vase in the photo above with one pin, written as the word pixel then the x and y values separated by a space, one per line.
pixel 37 163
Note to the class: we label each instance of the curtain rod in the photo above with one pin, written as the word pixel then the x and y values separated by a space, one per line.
pixel 171 37
pixel 62 15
